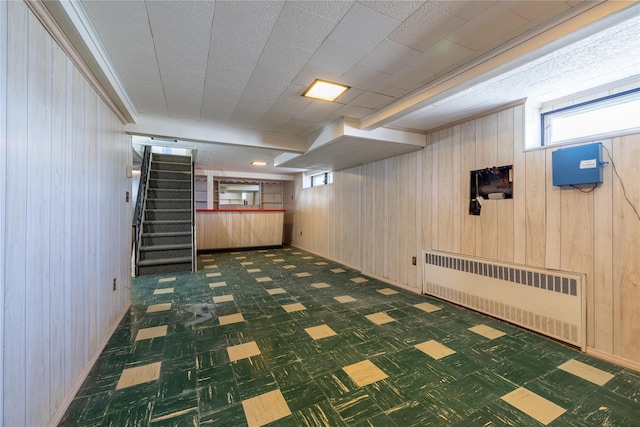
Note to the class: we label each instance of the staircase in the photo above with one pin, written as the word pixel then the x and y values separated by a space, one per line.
pixel 167 222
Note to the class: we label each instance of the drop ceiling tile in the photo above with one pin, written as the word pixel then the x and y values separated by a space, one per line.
pixel 362 28
pixel 309 73
pixel 408 78
pixel 391 91
pixel 256 105
pixel 288 59
pixel 441 56
pixel 317 111
pixel 389 57
pixel 534 10
pixel 465 9
pixel 244 118
pixel 351 111
pixel 331 9
pixel 291 100
pixel 185 23
pixel 362 77
pixel 485 30
pixel 336 57
pixel 301 28
pixel 400 10
pixel 426 26
pixel 266 83
pixel 349 95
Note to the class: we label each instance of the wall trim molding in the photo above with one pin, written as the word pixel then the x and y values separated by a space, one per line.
pixel 3 184
pixel 617 360
pixel 51 25
pixel 71 394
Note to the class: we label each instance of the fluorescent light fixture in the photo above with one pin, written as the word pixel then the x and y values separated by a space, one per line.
pixel 259 163
pixel 327 91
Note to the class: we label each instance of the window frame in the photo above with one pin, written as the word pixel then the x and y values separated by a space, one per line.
pixel 326 180
pixel 543 120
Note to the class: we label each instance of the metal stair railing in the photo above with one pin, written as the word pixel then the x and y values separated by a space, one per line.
pixel 138 216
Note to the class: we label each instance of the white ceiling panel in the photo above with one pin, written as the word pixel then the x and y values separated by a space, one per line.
pixel 485 30
pixel 246 63
pixel 426 27
pixel 363 28
pixel 441 56
pixel 388 57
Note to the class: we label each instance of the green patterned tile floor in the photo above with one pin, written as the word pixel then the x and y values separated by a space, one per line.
pixel 286 338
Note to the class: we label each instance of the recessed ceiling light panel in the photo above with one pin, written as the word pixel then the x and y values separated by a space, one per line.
pixel 324 90
pixel 259 163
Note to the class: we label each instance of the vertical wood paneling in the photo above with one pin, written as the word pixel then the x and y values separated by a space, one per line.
pixel 459 200
pixel 535 190
pixel 602 297
pixel 467 164
pixel 553 225
pixel 505 207
pixel 626 250
pixel 3 180
pixel 486 156
pixel 65 160
pixel 38 199
pixel 445 195
pixel 427 195
pixel 519 188
pixel 15 243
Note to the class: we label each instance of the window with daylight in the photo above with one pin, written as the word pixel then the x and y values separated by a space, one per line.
pixel 324 178
pixel 604 117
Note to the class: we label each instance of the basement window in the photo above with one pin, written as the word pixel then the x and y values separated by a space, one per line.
pixel 605 117
pixel 324 178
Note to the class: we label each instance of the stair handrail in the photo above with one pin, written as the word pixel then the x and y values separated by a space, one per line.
pixel 140 202
pixel 194 251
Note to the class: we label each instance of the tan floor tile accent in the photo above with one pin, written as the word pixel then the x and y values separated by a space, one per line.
pixel 387 291
pixel 265 408
pixel 241 257
pixel 304 274
pixel 253 270
pixel 217 284
pixel 290 308
pixel 154 308
pixel 209 266
pixel 278 260
pixel 307 257
pixel 148 333
pixel 435 349
pixel 276 291
pixel 586 372
pixel 139 375
pixel 321 285
pixel 243 351
pixel 263 279
pixel 167 279
pixel 359 280
pixel 296 253
pixel 223 298
pixel 244 264
pixel 231 318
pixel 319 332
pixel 235 253
pixel 270 255
pixel 214 274
pixel 163 291
pixel 321 263
pixel 380 318
pixel 364 373
pixel 429 308
pixel 289 267
pixel 535 406
pixel 337 270
pixel 487 331
pixel 344 298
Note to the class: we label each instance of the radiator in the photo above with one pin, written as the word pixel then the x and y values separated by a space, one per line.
pixel 550 302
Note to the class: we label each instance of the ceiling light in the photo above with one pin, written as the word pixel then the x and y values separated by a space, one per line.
pixel 259 163
pixel 327 91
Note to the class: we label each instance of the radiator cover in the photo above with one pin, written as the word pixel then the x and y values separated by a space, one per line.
pixel 550 302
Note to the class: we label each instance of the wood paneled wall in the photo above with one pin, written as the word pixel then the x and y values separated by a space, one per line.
pixel 546 226
pixel 66 221
pixel 223 230
pixel 375 217
pixel 366 219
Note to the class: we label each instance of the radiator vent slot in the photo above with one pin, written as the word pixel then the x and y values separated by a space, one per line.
pixel 550 302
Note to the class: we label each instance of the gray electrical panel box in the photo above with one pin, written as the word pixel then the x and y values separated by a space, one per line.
pixel 577 165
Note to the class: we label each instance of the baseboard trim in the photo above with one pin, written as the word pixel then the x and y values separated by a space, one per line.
pixel 617 360
pixel 62 409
